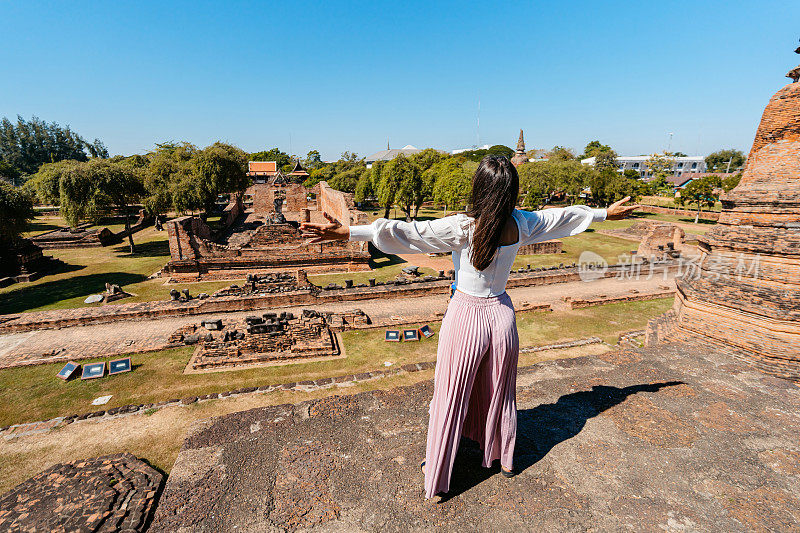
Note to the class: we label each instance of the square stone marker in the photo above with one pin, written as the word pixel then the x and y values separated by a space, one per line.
pixel 118 366
pixel 426 331
pixel 68 371
pixel 93 371
pixel 392 335
pixel 410 335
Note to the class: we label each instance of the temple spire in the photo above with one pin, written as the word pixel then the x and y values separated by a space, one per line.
pixel 520 156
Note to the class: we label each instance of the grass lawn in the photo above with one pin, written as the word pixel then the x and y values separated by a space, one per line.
pixel 35 393
pixel 87 270
pixel 664 201
pixel 44 223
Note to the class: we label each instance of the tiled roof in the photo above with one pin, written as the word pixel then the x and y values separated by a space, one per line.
pixel 262 167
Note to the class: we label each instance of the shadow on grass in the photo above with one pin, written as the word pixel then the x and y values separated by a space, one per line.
pixel 701 220
pixel 145 249
pixel 48 293
pixel 540 429
pixel 379 259
pixel 40 227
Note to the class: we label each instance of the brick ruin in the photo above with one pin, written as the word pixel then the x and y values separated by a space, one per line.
pixel 24 261
pixel 745 292
pixel 267 339
pixel 545 247
pixel 266 238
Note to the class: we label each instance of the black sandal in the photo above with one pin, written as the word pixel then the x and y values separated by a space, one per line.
pixel 507 473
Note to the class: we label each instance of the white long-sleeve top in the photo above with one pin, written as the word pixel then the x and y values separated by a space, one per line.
pixel 454 234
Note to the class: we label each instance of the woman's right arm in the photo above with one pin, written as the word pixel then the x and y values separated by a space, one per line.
pixel 397 237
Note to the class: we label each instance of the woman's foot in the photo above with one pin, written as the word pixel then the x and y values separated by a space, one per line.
pixel 422 466
pixel 507 472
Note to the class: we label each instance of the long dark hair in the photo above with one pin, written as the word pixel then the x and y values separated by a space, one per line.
pixel 495 187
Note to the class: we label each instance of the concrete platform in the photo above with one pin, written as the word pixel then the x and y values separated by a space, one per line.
pixel 672 438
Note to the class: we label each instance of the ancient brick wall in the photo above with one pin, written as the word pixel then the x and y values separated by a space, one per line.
pixel 339 205
pixel 232 211
pixel 182 233
pixel 295 198
pixel 544 247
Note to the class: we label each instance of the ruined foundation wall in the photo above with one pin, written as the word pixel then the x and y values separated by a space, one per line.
pixel 339 205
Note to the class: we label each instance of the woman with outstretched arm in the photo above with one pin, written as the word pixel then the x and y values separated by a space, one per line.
pixel 476 362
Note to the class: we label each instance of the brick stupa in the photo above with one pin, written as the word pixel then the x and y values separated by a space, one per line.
pixel 745 295
pixel 519 156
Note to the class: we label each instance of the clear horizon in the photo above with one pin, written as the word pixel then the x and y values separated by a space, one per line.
pixel 346 77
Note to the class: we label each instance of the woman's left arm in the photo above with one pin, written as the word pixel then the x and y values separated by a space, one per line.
pixel 560 222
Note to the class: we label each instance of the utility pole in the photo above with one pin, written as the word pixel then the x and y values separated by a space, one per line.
pixel 728 170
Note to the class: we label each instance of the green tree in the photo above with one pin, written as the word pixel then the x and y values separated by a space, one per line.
pixel 167 178
pixel 312 161
pixel 92 188
pixel 631 174
pixel 560 153
pixel 606 160
pixel 593 149
pixel 45 184
pixel 182 178
pixel 452 183
pixel 218 169
pixel 731 181
pixel 366 186
pixel 608 186
pixel 700 192
pixel 729 160
pixel 540 181
pixel 402 175
pixel 9 173
pixel 347 179
pixel 386 186
pixel 120 183
pixel 660 165
pixel 28 144
pixel 275 154
pixel 16 209
pixel 478 154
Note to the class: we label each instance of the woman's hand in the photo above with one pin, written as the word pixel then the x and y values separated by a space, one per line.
pixel 325 232
pixel 617 211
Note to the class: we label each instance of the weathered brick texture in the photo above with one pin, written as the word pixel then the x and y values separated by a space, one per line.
pixel 745 291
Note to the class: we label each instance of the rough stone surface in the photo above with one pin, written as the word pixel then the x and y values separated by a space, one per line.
pixel 110 493
pixel 675 438
pixel 745 290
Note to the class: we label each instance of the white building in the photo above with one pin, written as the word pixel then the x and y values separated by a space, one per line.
pixel 460 150
pixel 388 155
pixel 682 167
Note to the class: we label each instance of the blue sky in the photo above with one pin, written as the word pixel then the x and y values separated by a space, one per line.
pixel 339 76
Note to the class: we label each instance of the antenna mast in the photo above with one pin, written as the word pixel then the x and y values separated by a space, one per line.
pixel 479 122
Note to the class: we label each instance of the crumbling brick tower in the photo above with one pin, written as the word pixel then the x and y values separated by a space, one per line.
pixel 746 292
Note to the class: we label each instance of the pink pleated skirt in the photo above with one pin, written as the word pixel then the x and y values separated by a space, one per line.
pixel 474 386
